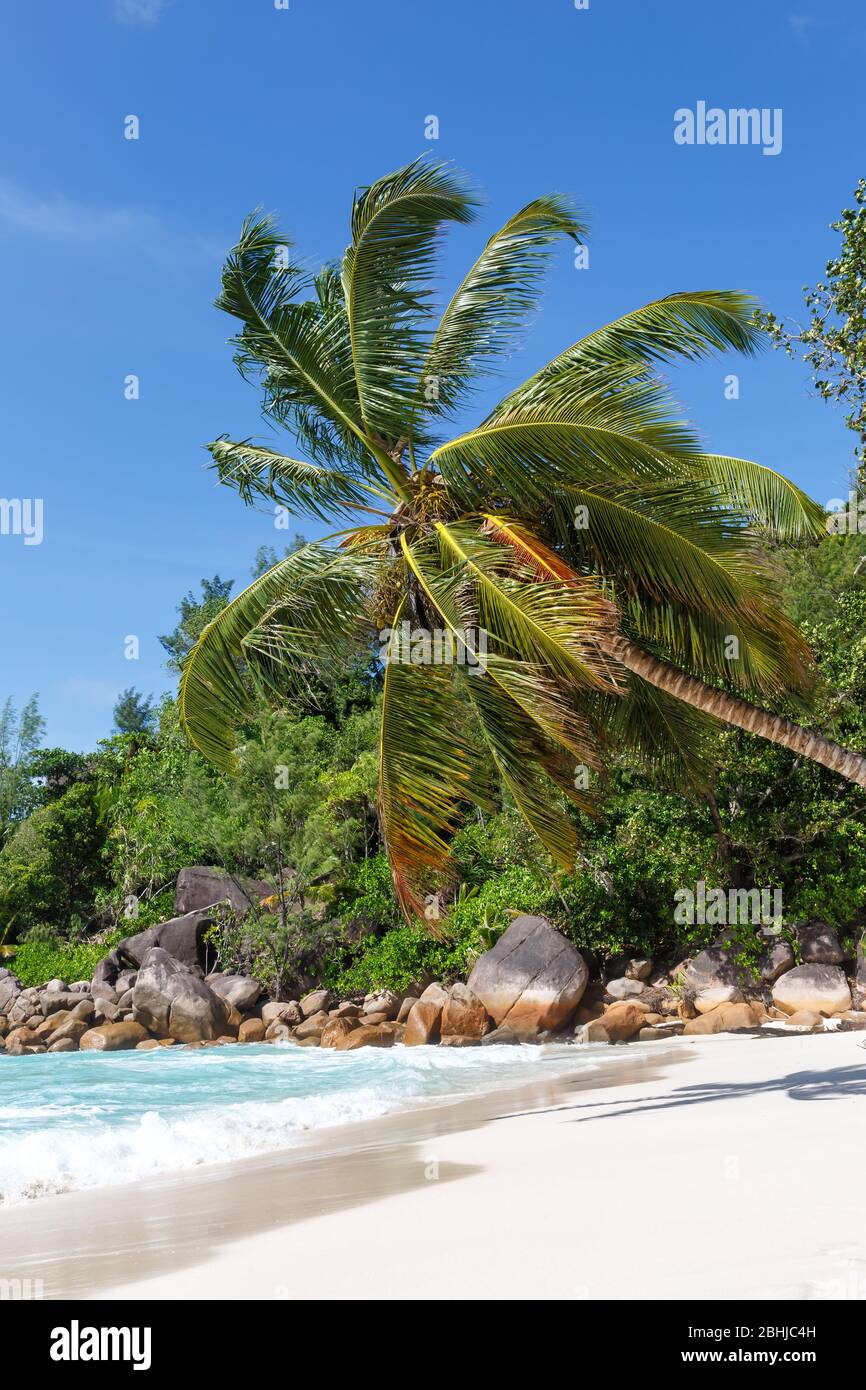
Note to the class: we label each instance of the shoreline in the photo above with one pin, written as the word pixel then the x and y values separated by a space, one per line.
pixel 649 1174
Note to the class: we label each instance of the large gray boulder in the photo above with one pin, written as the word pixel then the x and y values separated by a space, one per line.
pixel 819 989
pixel 182 938
pixel 819 945
pixel 532 980
pixel 171 1001
pixel 777 958
pixel 713 977
pixel 239 991
pixel 199 887
pixel 10 988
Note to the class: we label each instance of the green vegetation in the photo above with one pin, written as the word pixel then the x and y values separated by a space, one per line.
pixel 335 773
pixel 572 580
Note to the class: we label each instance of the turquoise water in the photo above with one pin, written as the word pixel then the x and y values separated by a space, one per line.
pixel 89 1119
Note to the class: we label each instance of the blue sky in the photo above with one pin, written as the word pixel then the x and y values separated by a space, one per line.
pixel 111 248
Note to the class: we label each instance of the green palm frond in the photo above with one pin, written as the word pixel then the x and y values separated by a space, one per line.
pixel 769 500
pixel 528 685
pixel 296 349
pixel 306 488
pixel 426 771
pixel 554 624
pixel 684 326
pixel 669 739
pixel 530 768
pixel 524 459
pixel 758 650
pixel 319 594
pixel 490 306
pixel 396 225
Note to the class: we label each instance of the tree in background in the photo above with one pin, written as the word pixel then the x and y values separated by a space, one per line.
pixel 833 342
pixel 20 733
pixel 618 573
pixel 194 614
pixel 133 714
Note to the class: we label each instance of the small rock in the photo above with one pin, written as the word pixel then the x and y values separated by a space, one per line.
pixel 288 1011
pixel 278 1031
pixel 312 1026
pixel 317 1002
pixel 423 1023
pixel 252 1030
pixel 638 968
pixel 335 1029
pixel 775 961
pixel 624 988
pixel 347 1010
pixel 593 1032
pixel 239 991
pixel 406 1008
pixel 804 1018
pixel 464 1015
pixel 622 1022
pixel 500 1035
pixel 385 1004
pixel 460 1040
pixel 72 1030
pixel 713 977
pixel 382 1036
pixel 63 1045
pixel 112 1037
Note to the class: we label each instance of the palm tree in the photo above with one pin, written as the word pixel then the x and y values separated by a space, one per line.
pixel 601 582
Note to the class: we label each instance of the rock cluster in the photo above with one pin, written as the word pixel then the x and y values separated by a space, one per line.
pixel 156 990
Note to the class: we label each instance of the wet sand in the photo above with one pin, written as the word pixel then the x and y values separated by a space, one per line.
pixel 708 1168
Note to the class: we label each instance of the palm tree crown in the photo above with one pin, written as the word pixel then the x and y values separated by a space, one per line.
pixel 573 542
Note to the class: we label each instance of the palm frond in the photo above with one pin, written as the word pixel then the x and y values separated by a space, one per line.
pixel 555 624
pixel 528 685
pixel 530 768
pixel 320 590
pixel 426 771
pixel 524 459
pixel 305 488
pixel 670 739
pixel 297 349
pixel 687 326
pixel 769 500
pixel 396 225
pixel 494 299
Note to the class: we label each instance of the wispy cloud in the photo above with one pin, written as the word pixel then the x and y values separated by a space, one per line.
pixel 130 230
pixel 145 13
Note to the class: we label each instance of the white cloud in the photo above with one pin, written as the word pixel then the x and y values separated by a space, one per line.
pixel 129 230
pixel 142 12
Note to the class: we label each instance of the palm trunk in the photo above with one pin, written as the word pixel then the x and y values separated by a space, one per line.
pixel 737 712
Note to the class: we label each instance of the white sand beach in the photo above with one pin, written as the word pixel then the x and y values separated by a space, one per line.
pixel 708 1168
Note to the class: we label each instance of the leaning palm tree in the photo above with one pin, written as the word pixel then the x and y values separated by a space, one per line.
pixel 571 578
